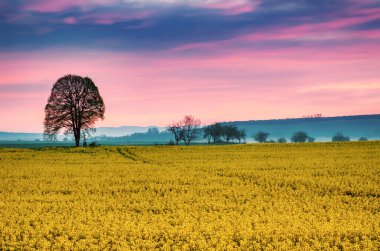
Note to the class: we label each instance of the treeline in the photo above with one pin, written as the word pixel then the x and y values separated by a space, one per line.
pixel 189 129
pixel 297 137
pixel 300 137
pixel 219 133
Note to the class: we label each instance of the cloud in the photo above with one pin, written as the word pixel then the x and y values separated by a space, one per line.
pixel 162 59
pixel 48 6
pixel 22 88
pixel 70 20
pixel 370 25
pixel 163 25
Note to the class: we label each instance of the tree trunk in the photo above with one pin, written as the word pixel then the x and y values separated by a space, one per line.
pixel 77 137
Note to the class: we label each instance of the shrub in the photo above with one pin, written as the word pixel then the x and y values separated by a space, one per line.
pixel 340 137
pixel 299 136
pixel 281 140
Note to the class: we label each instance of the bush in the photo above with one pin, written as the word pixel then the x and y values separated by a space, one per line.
pixel 363 139
pixel 299 136
pixel 281 140
pixel 93 144
pixel 261 136
pixel 310 139
pixel 339 137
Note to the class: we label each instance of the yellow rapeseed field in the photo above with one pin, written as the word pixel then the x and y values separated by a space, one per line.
pixel 312 196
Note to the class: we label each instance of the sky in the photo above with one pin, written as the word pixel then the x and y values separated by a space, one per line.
pixel 155 61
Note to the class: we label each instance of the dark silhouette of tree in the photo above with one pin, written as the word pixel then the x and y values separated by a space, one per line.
pixel 191 128
pixel 86 133
pixel 176 129
pixel 261 136
pixel 363 139
pixel 74 105
pixel 281 140
pixel 207 133
pixel 230 132
pixel 299 136
pixel 340 137
pixel 153 131
pixel 241 135
pixel 310 139
pixel 216 132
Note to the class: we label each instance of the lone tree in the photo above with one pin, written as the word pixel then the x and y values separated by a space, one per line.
pixel 261 136
pixel 74 105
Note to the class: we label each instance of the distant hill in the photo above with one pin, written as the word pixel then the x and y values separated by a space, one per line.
pixel 320 128
pixel 14 136
pixel 101 131
pixel 122 130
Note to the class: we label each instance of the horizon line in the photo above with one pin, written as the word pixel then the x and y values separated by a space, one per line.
pixel 232 121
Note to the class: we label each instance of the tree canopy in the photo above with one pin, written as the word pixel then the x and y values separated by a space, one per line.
pixel 340 137
pixel 300 136
pixel 74 105
pixel 261 136
pixel 187 129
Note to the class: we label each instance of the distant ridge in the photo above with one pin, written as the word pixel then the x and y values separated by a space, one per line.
pixel 292 120
pixel 14 136
pixel 322 128
pixel 122 130
pixel 108 131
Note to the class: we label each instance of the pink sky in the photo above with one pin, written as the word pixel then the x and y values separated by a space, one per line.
pixel 156 90
pixel 329 67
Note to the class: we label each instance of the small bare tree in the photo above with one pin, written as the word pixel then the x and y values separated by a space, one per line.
pixel 187 129
pixel 177 130
pixel 191 127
